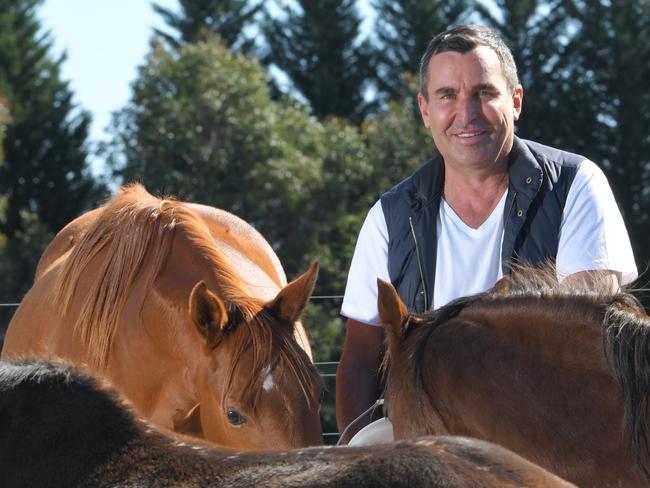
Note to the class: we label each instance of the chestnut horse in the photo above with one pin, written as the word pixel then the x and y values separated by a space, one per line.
pixel 62 428
pixel 558 375
pixel 186 309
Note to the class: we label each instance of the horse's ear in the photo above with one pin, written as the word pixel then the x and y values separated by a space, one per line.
pixel 392 312
pixel 292 300
pixel 208 313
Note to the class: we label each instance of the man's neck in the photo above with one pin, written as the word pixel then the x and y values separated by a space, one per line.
pixel 473 195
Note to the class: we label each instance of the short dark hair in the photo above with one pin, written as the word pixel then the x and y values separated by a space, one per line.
pixel 463 38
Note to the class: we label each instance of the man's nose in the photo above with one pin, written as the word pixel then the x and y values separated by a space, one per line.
pixel 467 109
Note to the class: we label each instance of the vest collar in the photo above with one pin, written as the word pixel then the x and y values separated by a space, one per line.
pixel 524 171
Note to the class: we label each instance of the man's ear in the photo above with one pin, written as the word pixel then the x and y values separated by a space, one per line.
pixel 517 101
pixel 423 103
pixel 208 313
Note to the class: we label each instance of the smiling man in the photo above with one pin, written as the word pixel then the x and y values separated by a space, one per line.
pixel 487 200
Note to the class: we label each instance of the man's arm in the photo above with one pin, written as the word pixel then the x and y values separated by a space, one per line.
pixel 593 234
pixel 357 384
pixel 587 279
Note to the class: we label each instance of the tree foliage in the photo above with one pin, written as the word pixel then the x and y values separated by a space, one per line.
pixel 45 169
pixel 609 110
pixel 583 63
pixel 5 119
pixel 202 125
pixel 535 31
pixel 403 30
pixel 317 47
pixel 198 18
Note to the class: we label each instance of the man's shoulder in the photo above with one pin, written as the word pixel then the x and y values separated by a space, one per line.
pixel 552 155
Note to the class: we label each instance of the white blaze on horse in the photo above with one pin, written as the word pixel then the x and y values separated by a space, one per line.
pixel 186 309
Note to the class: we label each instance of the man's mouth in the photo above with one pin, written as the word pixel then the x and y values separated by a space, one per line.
pixel 467 135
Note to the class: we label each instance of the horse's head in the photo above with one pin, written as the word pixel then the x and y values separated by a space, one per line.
pixel 256 387
pixel 409 408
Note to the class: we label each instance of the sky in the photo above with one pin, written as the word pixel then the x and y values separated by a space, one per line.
pixel 105 42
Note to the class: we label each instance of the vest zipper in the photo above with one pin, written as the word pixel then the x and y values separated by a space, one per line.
pixel 417 254
pixel 505 223
pixel 512 204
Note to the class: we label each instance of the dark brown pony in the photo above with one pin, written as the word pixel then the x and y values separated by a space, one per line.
pixel 61 428
pixel 187 310
pixel 556 374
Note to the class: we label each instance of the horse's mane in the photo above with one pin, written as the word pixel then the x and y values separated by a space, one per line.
pixel 137 231
pixel 625 329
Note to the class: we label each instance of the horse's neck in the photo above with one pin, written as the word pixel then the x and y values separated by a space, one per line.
pixel 492 373
pixel 229 231
pixel 259 281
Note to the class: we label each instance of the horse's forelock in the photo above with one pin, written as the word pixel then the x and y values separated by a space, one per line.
pixel 274 348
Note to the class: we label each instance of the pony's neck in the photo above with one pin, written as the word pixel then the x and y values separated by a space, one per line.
pixel 494 370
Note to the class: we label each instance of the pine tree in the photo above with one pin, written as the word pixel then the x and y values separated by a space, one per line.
pixel 317 47
pixel 584 66
pixel 227 18
pixel 536 32
pixel 403 30
pixel 610 120
pixel 5 118
pixel 45 169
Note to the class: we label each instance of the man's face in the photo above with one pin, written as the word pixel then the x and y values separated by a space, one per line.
pixel 471 111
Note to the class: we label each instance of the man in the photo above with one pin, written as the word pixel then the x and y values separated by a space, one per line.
pixel 488 199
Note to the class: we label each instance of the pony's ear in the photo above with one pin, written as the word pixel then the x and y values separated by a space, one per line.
pixel 292 300
pixel 392 312
pixel 208 313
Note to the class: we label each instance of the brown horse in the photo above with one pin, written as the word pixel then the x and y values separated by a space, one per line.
pixel 62 428
pixel 558 375
pixel 187 311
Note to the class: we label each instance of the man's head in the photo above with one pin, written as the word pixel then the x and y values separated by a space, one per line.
pixel 470 98
pixel 462 39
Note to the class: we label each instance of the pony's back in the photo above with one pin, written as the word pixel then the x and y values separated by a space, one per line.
pixel 50 439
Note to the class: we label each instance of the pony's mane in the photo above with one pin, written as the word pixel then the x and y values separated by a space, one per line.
pixel 137 231
pixel 525 283
pixel 542 280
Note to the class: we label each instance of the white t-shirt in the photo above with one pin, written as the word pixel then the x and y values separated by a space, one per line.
pixel 592 236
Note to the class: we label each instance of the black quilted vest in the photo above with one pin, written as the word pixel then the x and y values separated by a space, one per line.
pixel 540 178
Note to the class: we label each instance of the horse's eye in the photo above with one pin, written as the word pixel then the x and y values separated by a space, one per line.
pixel 234 417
